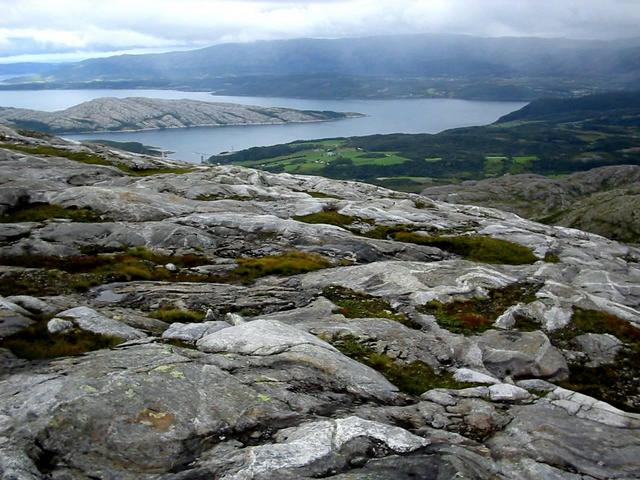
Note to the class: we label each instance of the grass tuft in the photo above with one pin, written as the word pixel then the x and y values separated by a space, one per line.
pixel 361 305
pixel 285 264
pixel 172 315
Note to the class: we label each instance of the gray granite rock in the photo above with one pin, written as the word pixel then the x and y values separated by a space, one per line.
pixel 87 319
pixel 192 332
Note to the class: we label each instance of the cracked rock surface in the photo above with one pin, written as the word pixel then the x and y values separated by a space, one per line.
pixel 297 333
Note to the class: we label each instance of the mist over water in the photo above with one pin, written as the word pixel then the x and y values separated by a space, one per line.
pixel 383 116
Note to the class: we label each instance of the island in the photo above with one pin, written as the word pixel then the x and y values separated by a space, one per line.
pixel 138 113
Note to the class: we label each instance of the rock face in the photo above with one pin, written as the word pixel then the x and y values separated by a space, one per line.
pixel 139 113
pixel 299 335
pixel 601 200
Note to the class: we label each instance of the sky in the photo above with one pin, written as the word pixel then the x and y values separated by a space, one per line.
pixel 68 30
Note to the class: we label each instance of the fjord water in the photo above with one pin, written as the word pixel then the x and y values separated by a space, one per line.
pixel 382 116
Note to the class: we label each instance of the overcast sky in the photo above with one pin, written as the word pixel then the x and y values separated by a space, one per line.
pixel 42 30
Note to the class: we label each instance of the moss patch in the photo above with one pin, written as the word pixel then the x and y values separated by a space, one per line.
pixel 617 383
pixel 320 195
pixel 285 264
pixel 361 305
pixel 172 315
pixel 36 343
pixel 328 217
pixel 37 212
pixel 478 248
pixel 413 378
pixel 476 315
pixel 551 257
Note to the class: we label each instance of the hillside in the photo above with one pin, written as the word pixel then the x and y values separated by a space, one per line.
pixel 165 321
pixel 574 136
pixel 602 200
pixel 117 114
pixel 374 67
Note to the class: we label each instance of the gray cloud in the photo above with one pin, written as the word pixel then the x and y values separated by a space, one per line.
pixel 30 28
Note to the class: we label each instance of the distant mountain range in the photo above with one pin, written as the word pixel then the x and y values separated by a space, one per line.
pixel 386 66
pixel 114 114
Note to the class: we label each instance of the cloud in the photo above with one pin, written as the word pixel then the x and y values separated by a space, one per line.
pixel 31 27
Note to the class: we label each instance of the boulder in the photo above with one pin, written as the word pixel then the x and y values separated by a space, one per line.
pixel 192 332
pixel 521 355
pixel 58 325
pixel 88 319
pixel 600 349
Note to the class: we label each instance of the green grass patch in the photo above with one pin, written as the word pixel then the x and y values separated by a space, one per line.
pixel 36 343
pixel 37 212
pixel 361 305
pixel 82 157
pixel 412 378
pixel 172 315
pixel 285 264
pixel 476 315
pixel 91 159
pixel 478 248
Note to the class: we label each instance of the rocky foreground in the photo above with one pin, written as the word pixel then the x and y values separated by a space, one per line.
pixel 164 321
pixel 138 113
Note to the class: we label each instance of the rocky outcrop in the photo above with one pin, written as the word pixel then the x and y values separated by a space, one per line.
pixel 601 200
pixel 168 322
pixel 140 113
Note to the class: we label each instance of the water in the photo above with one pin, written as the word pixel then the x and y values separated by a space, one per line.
pixel 383 116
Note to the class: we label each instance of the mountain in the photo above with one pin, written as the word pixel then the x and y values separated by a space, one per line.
pixel 27 68
pixel 603 200
pixel 222 322
pixel 400 65
pixel 117 114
